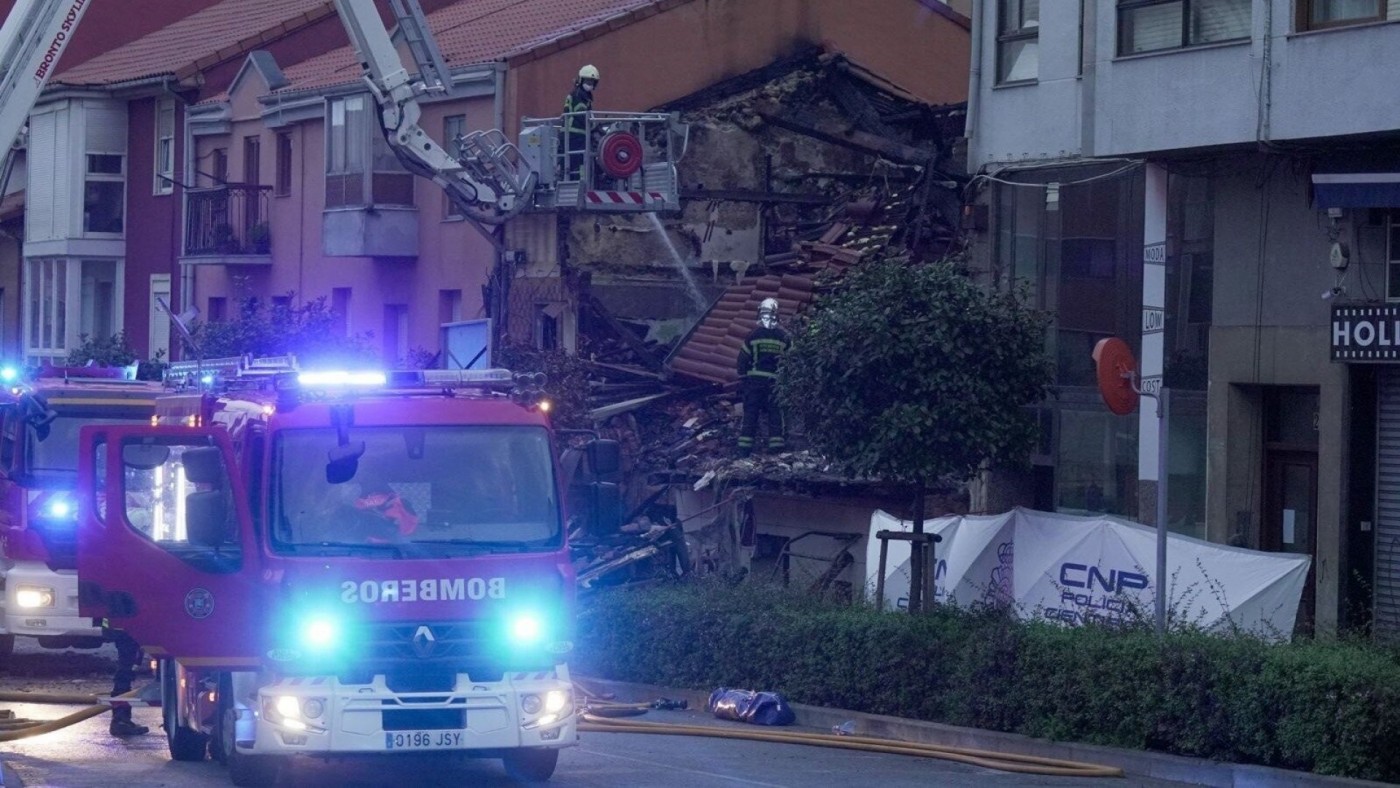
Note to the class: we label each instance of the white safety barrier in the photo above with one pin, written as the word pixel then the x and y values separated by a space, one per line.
pixel 1073 570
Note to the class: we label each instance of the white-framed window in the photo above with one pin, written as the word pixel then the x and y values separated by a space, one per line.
pixel 67 299
pixel 165 147
pixel 1018 40
pixel 47 304
pixel 361 170
pixel 1392 255
pixel 104 194
pixel 1151 25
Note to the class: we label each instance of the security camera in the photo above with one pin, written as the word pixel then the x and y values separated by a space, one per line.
pixel 1332 292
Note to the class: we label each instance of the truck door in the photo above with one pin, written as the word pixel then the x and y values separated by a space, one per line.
pixel 165 547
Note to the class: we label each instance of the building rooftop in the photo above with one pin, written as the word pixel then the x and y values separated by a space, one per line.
pixel 471 32
pixel 227 30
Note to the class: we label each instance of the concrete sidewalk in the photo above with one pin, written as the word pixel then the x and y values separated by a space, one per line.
pixel 1138 764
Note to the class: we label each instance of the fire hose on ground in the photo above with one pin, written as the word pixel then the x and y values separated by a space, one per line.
pixel 601 716
pixel 15 729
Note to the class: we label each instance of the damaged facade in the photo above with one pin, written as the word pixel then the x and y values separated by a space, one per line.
pixel 795 173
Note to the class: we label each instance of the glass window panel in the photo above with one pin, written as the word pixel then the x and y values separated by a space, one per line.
pixel 1186 461
pixel 1149 28
pixel 104 164
pixel 1393 281
pixel 1096 470
pixel 46 334
pixel 102 206
pixel 60 312
pixel 1020 60
pixel 1219 20
pixel 1325 11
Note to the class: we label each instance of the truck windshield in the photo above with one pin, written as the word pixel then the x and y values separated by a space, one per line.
pixel 428 490
pixel 54 457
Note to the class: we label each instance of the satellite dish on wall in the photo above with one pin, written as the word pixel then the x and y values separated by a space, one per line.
pixel 1117 374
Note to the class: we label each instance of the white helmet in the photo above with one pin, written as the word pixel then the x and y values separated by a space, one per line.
pixel 588 72
pixel 768 313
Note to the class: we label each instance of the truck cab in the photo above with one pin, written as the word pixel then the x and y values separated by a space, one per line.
pixel 40 418
pixel 339 564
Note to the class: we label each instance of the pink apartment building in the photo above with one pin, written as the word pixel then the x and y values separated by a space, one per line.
pixel 234 152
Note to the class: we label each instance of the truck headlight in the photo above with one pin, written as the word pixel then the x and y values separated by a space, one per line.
pixel 288 706
pixel 555 701
pixel 33 596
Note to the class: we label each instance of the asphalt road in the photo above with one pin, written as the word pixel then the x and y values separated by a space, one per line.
pixel 85 755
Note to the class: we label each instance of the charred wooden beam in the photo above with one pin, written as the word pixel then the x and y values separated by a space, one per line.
pixel 644 354
pixel 856 140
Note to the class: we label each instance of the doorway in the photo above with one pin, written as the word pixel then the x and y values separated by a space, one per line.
pixel 1290 517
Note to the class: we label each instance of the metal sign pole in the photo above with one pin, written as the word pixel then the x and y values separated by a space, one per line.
pixel 1163 410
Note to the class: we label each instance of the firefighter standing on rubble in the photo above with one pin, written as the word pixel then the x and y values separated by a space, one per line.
pixel 579 101
pixel 758 375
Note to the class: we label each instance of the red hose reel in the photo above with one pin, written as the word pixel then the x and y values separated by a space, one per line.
pixel 620 154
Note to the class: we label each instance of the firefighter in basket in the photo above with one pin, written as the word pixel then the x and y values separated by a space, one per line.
pixel 576 105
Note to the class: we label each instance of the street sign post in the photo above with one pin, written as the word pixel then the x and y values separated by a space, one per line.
pixel 1118 384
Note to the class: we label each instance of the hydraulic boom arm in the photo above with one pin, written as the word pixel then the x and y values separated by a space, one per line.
pixel 489 183
pixel 33 37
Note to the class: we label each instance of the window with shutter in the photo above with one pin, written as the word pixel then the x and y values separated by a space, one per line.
pixel 1154 25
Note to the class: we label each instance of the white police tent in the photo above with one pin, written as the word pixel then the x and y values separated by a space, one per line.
pixel 1072 570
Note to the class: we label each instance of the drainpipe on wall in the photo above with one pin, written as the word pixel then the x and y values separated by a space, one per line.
pixel 974 87
pixel 1266 82
pixel 499 99
pixel 186 274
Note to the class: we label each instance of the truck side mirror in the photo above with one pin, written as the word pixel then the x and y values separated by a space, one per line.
pixel 604 508
pixel 145 456
pixel 206 518
pixel 204 465
pixel 604 456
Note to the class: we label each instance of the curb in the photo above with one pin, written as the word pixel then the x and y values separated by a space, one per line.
pixel 1134 763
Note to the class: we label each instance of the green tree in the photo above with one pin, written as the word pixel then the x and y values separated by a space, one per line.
pixel 913 373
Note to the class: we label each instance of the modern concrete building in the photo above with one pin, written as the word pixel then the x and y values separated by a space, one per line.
pixel 1214 181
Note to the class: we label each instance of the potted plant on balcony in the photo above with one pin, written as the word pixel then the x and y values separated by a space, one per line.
pixel 259 238
pixel 224 242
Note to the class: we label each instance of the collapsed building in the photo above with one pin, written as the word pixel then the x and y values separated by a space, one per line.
pixel 793 174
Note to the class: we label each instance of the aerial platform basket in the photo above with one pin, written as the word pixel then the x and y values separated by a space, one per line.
pixel 624 162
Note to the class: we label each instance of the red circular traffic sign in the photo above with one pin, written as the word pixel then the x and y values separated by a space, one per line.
pixel 620 154
pixel 1116 368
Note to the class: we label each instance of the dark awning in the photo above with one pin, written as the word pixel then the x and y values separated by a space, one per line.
pixel 1356 189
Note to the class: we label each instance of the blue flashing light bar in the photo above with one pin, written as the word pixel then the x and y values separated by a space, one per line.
pixel 341 377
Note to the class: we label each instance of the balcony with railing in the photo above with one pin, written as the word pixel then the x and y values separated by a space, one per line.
pixel 228 224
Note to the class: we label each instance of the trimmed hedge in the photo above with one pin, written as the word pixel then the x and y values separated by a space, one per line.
pixel 1331 708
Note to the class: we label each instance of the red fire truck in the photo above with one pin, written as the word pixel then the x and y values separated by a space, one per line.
pixel 335 563
pixel 39 422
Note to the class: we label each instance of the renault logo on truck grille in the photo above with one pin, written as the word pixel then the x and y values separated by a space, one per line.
pixel 424 642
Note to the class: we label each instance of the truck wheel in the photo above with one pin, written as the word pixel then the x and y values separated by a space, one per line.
pixel 185 744
pixel 243 769
pixel 531 765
